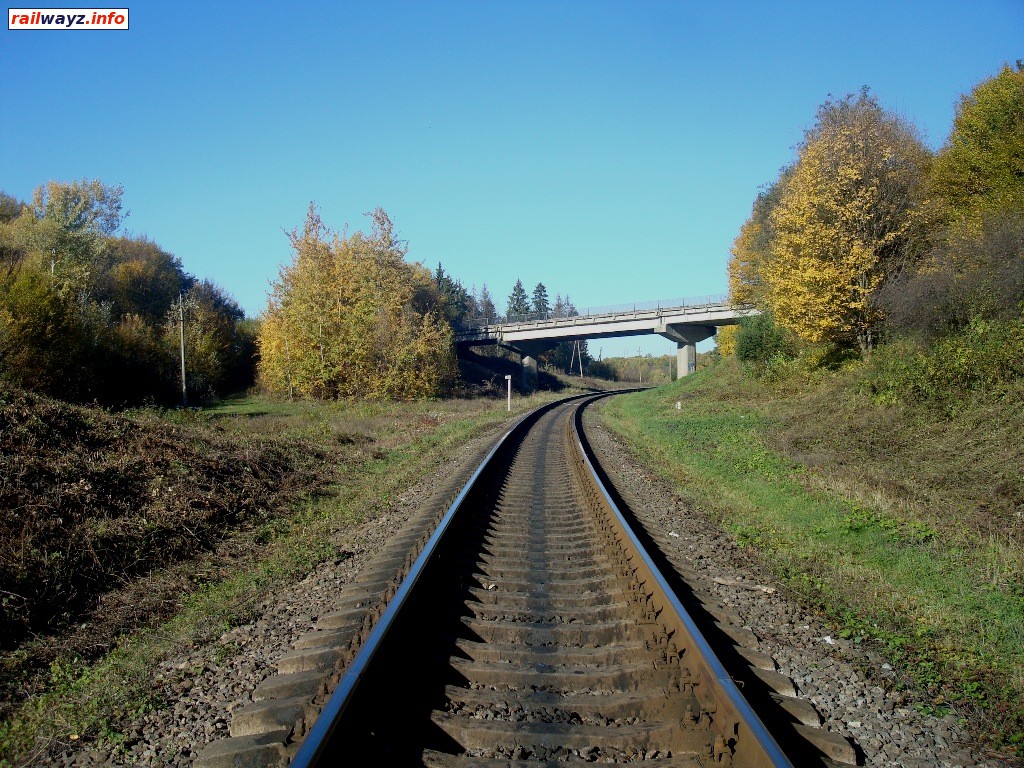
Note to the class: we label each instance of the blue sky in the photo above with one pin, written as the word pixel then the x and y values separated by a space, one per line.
pixel 610 150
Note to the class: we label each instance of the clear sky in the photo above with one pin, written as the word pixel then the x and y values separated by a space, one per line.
pixel 610 150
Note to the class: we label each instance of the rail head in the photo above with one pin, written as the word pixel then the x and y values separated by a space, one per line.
pixel 764 751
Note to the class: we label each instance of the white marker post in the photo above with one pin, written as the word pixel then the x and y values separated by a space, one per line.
pixel 508 379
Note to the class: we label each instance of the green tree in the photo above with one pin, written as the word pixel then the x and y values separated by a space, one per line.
pixel 485 304
pixel 454 302
pixel 518 301
pixel 539 303
pixel 980 170
pixel 218 343
pixel 10 208
pixel 77 216
pixel 138 277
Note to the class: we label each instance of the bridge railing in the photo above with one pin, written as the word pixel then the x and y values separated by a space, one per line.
pixel 613 309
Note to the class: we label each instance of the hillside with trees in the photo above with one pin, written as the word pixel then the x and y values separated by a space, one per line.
pixel 867 238
pixel 862 433
pixel 91 315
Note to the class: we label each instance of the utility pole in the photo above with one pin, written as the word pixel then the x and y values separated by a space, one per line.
pixel 181 331
pixel 579 346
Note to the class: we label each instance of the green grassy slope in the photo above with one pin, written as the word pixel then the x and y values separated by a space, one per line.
pixel 902 524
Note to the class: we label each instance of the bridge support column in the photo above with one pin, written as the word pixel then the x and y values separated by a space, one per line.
pixel 686 359
pixel 686 338
pixel 529 353
pixel 529 374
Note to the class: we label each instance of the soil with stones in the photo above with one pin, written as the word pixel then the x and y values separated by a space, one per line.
pixel 205 686
pixel 853 687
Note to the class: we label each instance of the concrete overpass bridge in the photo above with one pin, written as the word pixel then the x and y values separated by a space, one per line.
pixel 684 321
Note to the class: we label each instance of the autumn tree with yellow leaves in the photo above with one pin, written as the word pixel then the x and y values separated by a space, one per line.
pixel 844 221
pixel 350 317
pixel 753 244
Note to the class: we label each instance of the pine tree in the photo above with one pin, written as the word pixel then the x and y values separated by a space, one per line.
pixel 518 302
pixel 558 310
pixel 539 304
pixel 485 304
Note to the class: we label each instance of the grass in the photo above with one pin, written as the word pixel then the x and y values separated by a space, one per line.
pixel 380 449
pixel 867 512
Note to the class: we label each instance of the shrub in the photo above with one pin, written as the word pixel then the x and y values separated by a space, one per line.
pixel 986 357
pixel 764 344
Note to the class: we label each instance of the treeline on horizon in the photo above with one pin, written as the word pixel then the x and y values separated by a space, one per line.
pixel 88 315
pixel 866 239
pixel 871 247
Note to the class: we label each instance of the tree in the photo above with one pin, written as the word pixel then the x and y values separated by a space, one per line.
pixel 10 207
pixel 349 317
pixel 80 214
pixel 518 301
pixel 454 303
pixel 980 170
pixel 218 345
pixel 539 303
pixel 83 313
pixel 725 340
pixel 558 309
pixel 845 222
pixel 485 304
pixel 138 277
pixel 80 206
pixel 752 246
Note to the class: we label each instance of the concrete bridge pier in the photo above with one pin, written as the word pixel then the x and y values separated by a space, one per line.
pixel 686 338
pixel 529 353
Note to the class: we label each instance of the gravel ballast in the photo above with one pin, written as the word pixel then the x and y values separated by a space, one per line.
pixel 205 686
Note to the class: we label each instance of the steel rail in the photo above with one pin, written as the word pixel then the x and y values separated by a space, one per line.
pixel 704 655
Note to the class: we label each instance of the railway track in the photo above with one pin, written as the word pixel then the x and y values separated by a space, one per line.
pixel 530 624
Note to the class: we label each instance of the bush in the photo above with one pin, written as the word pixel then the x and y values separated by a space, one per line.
pixel 761 342
pixel 968 276
pixel 986 357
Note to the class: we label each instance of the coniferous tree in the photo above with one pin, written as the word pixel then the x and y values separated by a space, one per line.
pixel 558 309
pixel 540 304
pixel 518 301
pixel 485 304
